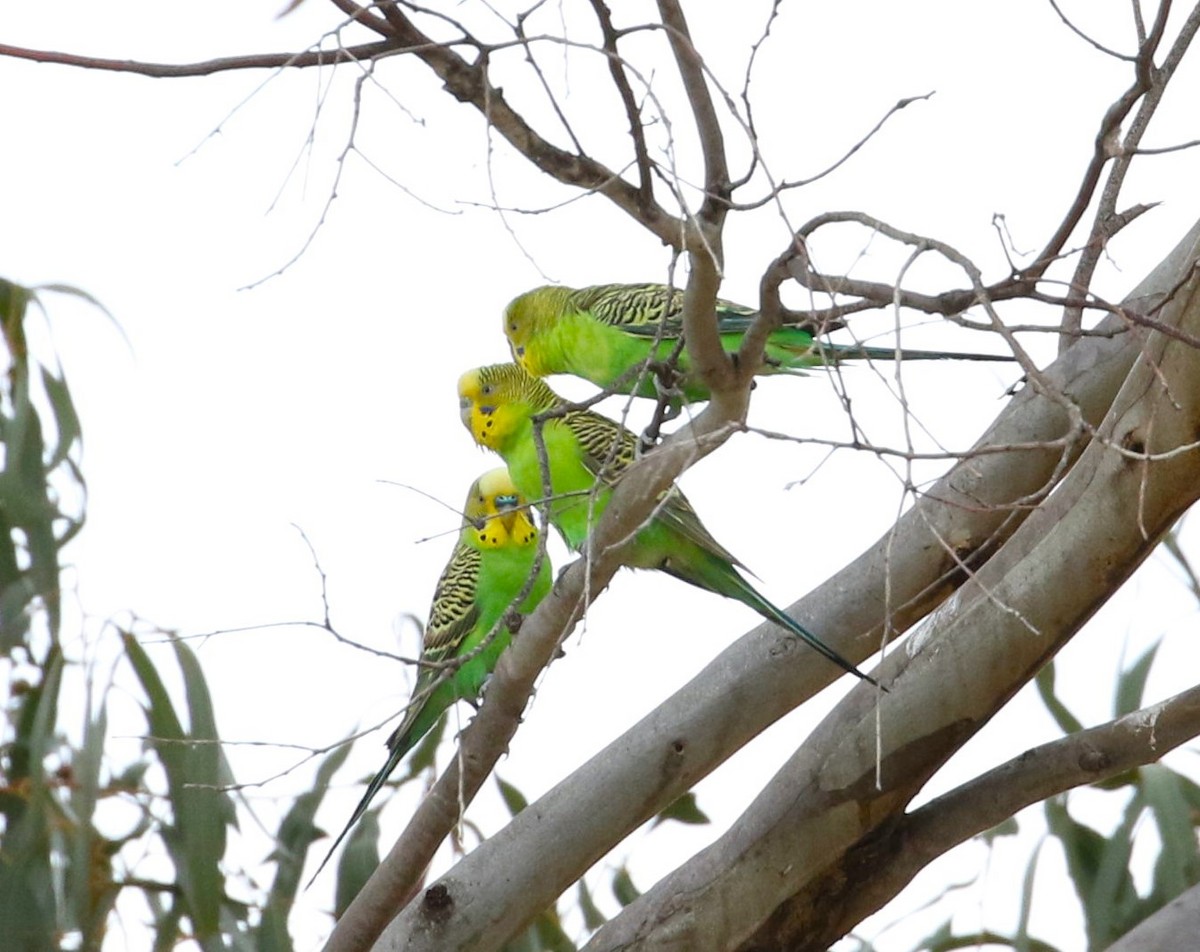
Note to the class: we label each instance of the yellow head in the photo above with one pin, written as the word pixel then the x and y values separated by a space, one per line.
pixel 496 514
pixel 494 401
pixel 528 317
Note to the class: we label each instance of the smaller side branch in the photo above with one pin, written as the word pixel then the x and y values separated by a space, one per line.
pixel 469 83
pixel 346 54
pixel 712 141
pixel 616 68
pixel 881 865
pixel 1150 84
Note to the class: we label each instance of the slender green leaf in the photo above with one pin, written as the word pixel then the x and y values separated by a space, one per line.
pixel 682 810
pixel 985 939
pixel 1131 684
pixel 544 934
pixel 1009 827
pixel 1178 864
pixel 66 420
pixel 550 934
pixel 1067 722
pixel 1113 904
pixel 14 302
pixel 1022 940
pixel 89 887
pixel 28 906
pixel 1190 791
pixel 196 837
pixel 623 888
pixel 593 918
pixel 88 298
pixel 513 798
pixel 15 599
pixel 360 857
pixel 938 936
pixel 297 832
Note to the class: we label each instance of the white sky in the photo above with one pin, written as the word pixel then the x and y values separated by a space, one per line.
pixel 234 413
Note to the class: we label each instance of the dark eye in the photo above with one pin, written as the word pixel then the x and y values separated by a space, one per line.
pixel 512 325
pixel 486 389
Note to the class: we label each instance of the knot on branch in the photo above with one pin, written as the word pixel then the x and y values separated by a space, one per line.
pixel 437 903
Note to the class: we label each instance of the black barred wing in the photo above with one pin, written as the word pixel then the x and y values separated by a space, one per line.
pixel 607 447
pixel 679 514
pixel 652 310
pixel 597 435
pixel 637 308
pixel 454 612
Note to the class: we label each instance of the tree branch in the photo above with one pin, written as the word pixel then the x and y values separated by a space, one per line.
pixel 616 68
pixel 308 58
pixel 1150 83
pixel 511 685
pixel 517 873
pixel 870 756
pixel 469 83
pixel 1174 926
pixel 882 864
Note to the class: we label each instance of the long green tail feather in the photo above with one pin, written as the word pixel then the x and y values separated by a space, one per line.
pixel 750 597
pixel 400 743
pixel 708 571
pixel 373 788
pixel 800 344
pixel 862 352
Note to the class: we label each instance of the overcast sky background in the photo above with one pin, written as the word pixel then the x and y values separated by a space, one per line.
pixel 248 401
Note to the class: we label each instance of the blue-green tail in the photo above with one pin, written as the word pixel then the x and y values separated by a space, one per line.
pixel 792 348
pixel 707 570
pixel 403 739
pixel 748 595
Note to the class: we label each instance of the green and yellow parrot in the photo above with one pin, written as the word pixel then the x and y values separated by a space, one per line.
pixel 492 564
pixel 607 332
pixel 587 453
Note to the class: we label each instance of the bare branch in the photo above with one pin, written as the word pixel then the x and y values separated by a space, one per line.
pixel 617 68
pixel 712 141
pixel 1087 39
pixel 789 184
pixel 1149 85
pixel 348 54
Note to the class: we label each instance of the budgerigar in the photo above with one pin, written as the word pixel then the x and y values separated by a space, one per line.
pixel 492 563
pixel 586 453
pixel 605 333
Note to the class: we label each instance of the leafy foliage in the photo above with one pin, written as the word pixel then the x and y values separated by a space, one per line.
pixel 59 877
pixel 49 847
